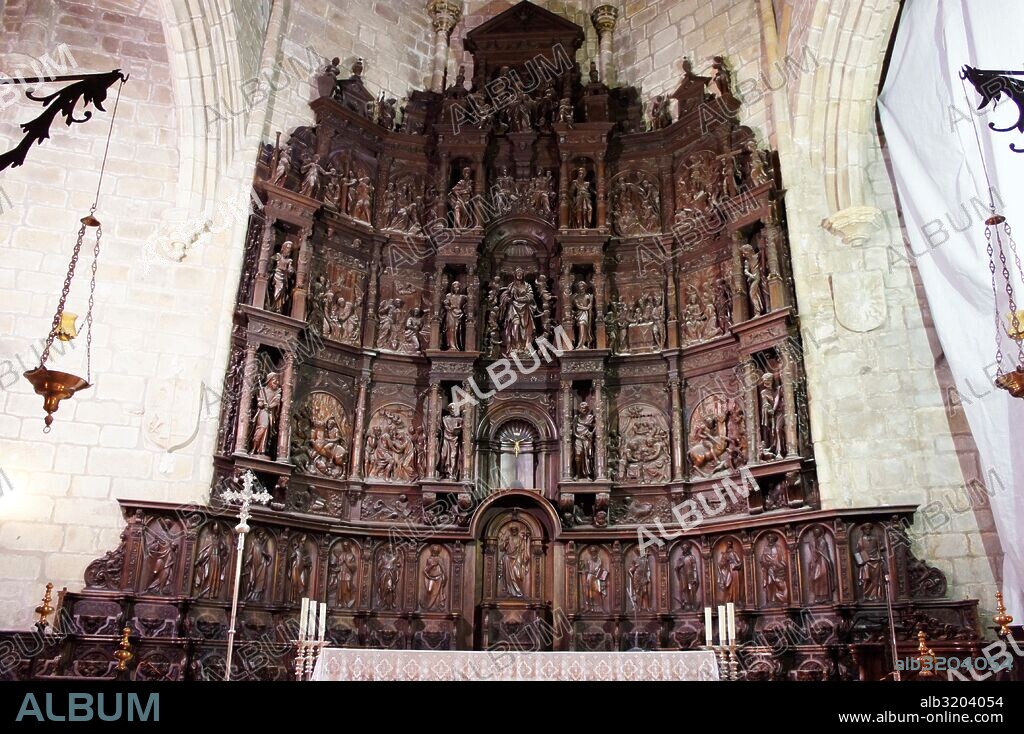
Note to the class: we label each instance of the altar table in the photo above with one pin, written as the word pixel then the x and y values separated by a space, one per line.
pixel 344 664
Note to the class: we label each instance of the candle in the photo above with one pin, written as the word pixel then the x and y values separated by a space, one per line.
pixel 730 613
pixel 721 624
pixel 323 620
pixel 311 626
pixel 303 618
pixel 708 630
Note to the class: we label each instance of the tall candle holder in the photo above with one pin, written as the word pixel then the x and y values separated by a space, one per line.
pixel 1001 618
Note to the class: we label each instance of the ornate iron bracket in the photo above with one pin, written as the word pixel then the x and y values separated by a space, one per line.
pixel 991 84
pixel 87 89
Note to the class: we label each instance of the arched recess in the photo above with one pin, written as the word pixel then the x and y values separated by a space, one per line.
pixel 516 441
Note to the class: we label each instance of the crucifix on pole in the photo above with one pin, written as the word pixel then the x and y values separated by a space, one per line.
pixel 245 499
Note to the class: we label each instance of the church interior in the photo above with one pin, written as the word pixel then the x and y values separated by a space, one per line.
pixel 340 334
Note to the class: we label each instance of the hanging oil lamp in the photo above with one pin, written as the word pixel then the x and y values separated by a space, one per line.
pixel 55 386
pixel 999 239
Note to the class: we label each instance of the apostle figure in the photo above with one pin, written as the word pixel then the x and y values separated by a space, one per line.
pixel 582 313
pixel 595 581
pixel 268 404
pixel 514 546
pixel 454 313
pixel 583 443
pixel 752 269
pixel 284 166
pixel 773 572
pixel 346 568
pixel 723 303
pixel 459 200
pixel 517 307
pixel 582 203
pixel 258 568
pixel 870 570
pixel 210 566
pixel 772 418
pixel 821 569
pixel 283 270
pixel 688 576
pixel 388 576
pixel 639 587
pixel 435 580
pixel 728 577
pixel 299 568
pixel 163 551
pixel 451 443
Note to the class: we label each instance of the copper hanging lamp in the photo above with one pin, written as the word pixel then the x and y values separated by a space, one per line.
pixel 55 386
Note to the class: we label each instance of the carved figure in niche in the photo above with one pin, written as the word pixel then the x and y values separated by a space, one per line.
pixel 688 575
pixel 390 451
pixel 693 316
pixel 645 448
pixel 282 267
pixel 566 115
pixel 284 166
pixel 752 270
pixel 345 569
pixel 582 201
pixel 347 320
pixel 388 575
pixel 635 204
pixel 583 316
pixel 639 587
pixel 820 567
pixel 611 329
pixel 411 337
pixel 211 565
pixel 300 568
pixel 360 198
pixel 435 580
pixel 728 173
pixel 453 310
pixel 758 167
pixel 329 448
pixel 514 559
pixel 389 205
pixel 388 315
pixel 459 200
pixel 506 192
pixel 774 579
pixel 312 177
pixel 162 549
pixel 258 568
pixel 451 443
pixel 542 193
pixel 583 443
pixel 709 454
pixel 268 407
pixel 594 577
pixel 772 418
pixel 870 565
pixel 723 304
pixel 520 109
pixel 517 307
pixel 728 576
pixel 712 328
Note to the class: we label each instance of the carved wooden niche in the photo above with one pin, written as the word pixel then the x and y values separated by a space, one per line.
pixel 686 577
pixel 514 561
pixel 299 568
pixel 596 588
pixel 641 582
pixel 322 436
pixel 344 574
pixel 213 562
pixel 819 572
pixel 727 566
pixel 640 452
pixel 435 580
pixel 260 569
pixel 388 575
pixel 771 556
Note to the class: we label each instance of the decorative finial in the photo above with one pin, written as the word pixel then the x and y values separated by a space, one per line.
pixel 925 657
pixel 1001 618
pixel 123 655
pixel 44 610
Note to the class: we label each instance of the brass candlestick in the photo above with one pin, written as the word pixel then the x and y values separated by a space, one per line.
pixel 123 655
pixel 1001 618
pixel 925 657
pixel 44 610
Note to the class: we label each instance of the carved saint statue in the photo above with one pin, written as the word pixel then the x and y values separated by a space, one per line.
pixel 582 201
pixel 211 565
pixel 757 167
pixel 688 575
pixel 312 177
pixel 258 567
pixel 723 304
pixel 594 579
pixel 345 569
pixel 639 583
pixel 454 318
pixel 411 336
pixel 583 316
pixel 774 579
pixel 388 575
pixel 820 567
pixel 388 317
pixel 870 565
pixel 282 266
pixel 583 443
pixel 300 567
pixel 661 113
pixel 595 77
pixel 360 198
pixel 566 116
pixel 162 549
pixel 752 269
pixel 451 443
pixel 284 166
pixel 328 448
pixel 728 575
pixel 268 406
pixel 517 307
pixel 506 191
pixel 772 418
pixel 514 559
pixel 435 580
pixel 459 200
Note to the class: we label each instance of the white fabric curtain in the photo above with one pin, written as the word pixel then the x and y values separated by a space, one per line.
pixel 943 193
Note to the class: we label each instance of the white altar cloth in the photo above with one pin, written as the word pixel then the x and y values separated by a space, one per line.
pixel 345 664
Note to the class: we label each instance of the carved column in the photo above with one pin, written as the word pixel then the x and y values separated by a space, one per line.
pixel 444 14
pixel 372 301
pixel 675 397
pixel 479 180
pixel 604 18
pixel 740 302
pixel 259 291
pixel 359 428
pixel 433 414
pixel 672 307
pixel 468 429
pixel 563 193
pixel 383 174
pixel 302 276
pixel 602 205
pixel 600 430
pixel 441 205
pixel 668 197
pixel 245 401
pixel 789 399
pixel 472 303
pixel 565 284
pixel 776 286
pixel 284 420
pixel 599 305
pixel 435 306
pixel 566 430
pixel 749 374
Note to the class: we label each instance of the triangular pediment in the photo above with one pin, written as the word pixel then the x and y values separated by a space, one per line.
pixel 526 19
